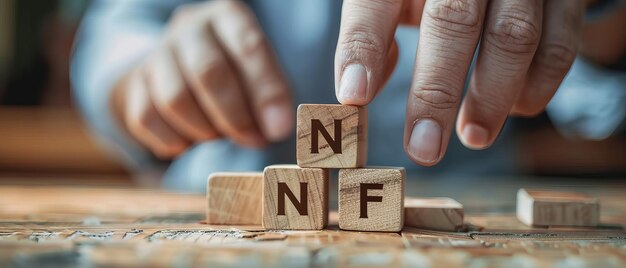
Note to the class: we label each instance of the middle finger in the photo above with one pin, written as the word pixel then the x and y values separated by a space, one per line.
pixel 449 33
pixel 215 84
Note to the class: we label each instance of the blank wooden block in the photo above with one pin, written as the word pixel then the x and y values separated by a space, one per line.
pixel 551 208
pixel 440 213
pixel 234 198
pixel 371 199
pixel 295 198
pixel 331 136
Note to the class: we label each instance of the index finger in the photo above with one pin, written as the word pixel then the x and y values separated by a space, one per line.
pixel 448 38
pixel 365 42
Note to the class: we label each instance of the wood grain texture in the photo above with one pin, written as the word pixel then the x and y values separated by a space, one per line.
pixel 43 226
pixel 353 120
pixel 552 208
pixel 316 182
pixel 439 213
pixel 235 198
pixel 371 199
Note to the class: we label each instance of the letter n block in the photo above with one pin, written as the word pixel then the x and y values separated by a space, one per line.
pixel 295 198
pixel 331 136
pixel 371 199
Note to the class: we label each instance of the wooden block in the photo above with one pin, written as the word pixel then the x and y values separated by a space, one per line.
pixel 550 208
pixel 441 213
pixel 371 199
pixel 331 136
pixel 234 198
pixel 295 198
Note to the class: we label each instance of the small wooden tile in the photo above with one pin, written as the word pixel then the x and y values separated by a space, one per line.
pixel 551 208
pixel 371 199
pixel 270 237
pixel 295 198
pixel 331 136
pixel 234 198
pixel 441 213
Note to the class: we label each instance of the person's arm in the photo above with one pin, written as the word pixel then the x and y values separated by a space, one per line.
pixel 591 101
pixel 207 73
pixel 113 37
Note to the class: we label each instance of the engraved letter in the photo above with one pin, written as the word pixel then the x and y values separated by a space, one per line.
pixel 317 127
pixel 301 206
pixel 366 198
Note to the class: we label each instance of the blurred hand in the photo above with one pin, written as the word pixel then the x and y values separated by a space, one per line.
pixel 526 48
pixel 212 75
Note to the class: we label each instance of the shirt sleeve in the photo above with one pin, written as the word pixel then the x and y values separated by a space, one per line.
pixel 590 103
pixel 113 37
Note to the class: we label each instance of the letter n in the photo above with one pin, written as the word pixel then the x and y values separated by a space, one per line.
pixel 317 127
pixel 301 205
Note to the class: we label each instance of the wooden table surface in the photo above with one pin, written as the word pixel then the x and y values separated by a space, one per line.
pixel 105 226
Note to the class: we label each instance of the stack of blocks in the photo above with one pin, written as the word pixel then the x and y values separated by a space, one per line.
pixel 333 136
pixel 295 197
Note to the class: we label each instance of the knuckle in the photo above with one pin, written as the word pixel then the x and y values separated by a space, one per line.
pixel 210 71
pixel 243 125
pixel 182 16
pixel 382 7
pixel 362 43
pixel 514 33
pixel 575 19
pixel 527 109
pixel 556 59
pixel 164 151
pixel 176 100
pixel 229 6
pixel 436 97
pixel 237 124
pixel 252 43
pixel 455 15
pixel 139 123
pixel 140 128
pixel 491 104
pixel 167 151
pixel 183 12
pixel 271 90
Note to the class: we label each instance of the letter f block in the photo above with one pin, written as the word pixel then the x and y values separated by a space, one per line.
pixel 371 199
pixel 295 198
pixel 331 136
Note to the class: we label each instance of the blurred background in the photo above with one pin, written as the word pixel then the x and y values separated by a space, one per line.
pixel 43 137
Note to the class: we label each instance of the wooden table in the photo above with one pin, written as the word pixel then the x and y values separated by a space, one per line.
pixel 105 226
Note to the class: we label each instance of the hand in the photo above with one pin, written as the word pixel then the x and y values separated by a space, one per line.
pixel 526 48
pixel 213 75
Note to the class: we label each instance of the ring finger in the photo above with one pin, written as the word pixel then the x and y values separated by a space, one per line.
pixel 511 35
pixel 555 55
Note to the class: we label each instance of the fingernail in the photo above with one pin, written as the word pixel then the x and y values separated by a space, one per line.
pixel 475 136
pixel 353 85
pixel 425 141
pixel 277 122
